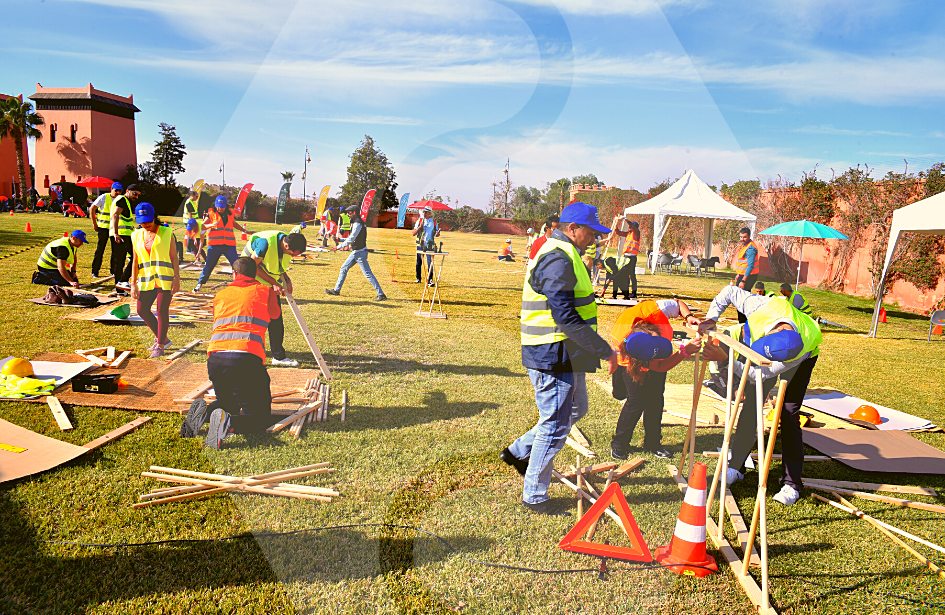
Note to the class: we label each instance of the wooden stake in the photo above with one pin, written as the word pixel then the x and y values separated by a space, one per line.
pixel 763 477
pixel 121 359
pixel 843 484
pixel 628 467
pixel 344 405
pixel 93 359
pixel 110 353
pixel 580 486
pixel 722 468
pixel 610 513
pixel 775 456
pixel 878 498
pixel 183 351
pixel 58 413
pixel 594 469
pixel 579 437
pixel 580 449
pixel 690 442
pixel 117 433
pixel 593 530
pixel 199 391
pixel 308 337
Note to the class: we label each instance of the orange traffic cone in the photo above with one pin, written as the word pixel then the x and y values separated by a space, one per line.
pixel 28 228
pixel 243 237
pixel 882 310
pixel 65 233
pixel 685 553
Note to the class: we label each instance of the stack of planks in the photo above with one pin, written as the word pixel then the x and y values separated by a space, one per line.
pixel 314 407
pixel 199 484
pixel 110 359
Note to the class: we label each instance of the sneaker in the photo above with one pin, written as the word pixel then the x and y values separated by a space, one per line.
pixel 121 292
pixel 716 385
pixel 733 476
pixel 520 465
pixel 787 496
pixel 660 452
pixel 95 275
pixel 196 417
pixel 332 292
pixel 417 281
pixel 381 297
pixel 124 285
pixel 287 362
pixel 431 284
pixel 167 344
pixel 546 508
pixel 617 454
pixel 157 351
pixel 219 428
pixel 197 288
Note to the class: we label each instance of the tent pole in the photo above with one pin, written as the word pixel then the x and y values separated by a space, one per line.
pixel 800 259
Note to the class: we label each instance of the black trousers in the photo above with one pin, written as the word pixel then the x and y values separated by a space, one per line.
pixel 420 267
pixel 792 438
pixel 643 399
pixel 49 277
pixel 625 279
pixel 103 240
pixel 749 284
pixel 277 335
pixel 121 259
pixel 241 383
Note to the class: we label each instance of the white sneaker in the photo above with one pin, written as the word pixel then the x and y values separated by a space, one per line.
pixel 285 362
pixel 123 285
pixel 733 476
pixel 197 288
pixel 787 496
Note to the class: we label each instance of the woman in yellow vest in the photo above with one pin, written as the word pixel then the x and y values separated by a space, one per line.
pixel 155 273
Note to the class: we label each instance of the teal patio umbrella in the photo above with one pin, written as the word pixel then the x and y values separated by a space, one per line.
pixel 805 230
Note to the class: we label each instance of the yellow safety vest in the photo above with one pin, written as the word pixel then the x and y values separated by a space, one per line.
pixel 345 223
pixel 271 262
pixel 126 224
pixel 155 269
pixel 104 214
pixel 48 260
pixel 774 311
pixel 805 307
pixel 538 326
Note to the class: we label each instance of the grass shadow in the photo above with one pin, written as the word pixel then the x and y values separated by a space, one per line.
pixel 434 407
pixel 364 364
pixel 889 313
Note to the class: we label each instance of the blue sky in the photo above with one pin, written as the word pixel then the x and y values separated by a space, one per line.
pixel 632 90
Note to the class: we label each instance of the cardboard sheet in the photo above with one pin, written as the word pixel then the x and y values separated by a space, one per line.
pixel 877 451
pixel 41 453
pixel 62 372
pixel 841 405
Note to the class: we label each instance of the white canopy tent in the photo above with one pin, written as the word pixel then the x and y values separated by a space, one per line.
pixel 925 217
pixel 689 196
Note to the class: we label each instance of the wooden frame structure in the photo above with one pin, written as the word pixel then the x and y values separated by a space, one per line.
pixel 434 298
pixel 759 595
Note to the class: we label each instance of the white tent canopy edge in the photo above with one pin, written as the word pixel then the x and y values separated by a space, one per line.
pixel 689 196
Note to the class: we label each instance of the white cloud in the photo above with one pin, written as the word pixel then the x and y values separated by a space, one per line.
pixel 829 129
pixel 367 119
pixel 615 7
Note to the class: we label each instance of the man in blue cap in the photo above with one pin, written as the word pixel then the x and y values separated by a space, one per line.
pixel 57 262
pixel 791 340
pixel 101 214
pixel 560 345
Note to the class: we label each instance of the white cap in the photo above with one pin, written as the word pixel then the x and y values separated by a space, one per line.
pixel 508 241
pixel 427 209
pixel 530 230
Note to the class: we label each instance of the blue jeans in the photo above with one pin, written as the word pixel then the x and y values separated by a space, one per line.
pixel 562 401
pixel 359 257
pixel 213 256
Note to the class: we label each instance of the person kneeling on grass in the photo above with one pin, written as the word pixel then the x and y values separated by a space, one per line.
pixel 236 359
pixel 643 337
pixel 505 252
pixel 791 340
pixel 57 262
pixel 155 274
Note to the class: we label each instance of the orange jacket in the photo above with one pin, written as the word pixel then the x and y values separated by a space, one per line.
pixel 220 234
pixel 647 311
pixel 241 315
pixel 741 262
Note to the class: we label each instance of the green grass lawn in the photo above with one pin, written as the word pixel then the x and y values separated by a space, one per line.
pixel 432 403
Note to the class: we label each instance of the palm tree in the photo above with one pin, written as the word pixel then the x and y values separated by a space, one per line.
pixel 18 122
pixel 288 176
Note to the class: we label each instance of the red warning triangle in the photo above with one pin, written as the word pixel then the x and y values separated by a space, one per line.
pixel 637 552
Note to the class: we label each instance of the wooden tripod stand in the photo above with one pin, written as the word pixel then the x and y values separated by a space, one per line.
pixel 758 595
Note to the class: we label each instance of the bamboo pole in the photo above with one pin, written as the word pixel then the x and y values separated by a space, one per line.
pixel 690 443
pixel 580 486
pixel 593 530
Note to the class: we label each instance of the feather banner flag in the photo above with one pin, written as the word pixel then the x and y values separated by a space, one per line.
pixel 402 211
pixel 322 199
pixel 241 200
pixel 366 204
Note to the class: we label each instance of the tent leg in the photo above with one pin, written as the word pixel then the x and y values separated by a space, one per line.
pixel 800 259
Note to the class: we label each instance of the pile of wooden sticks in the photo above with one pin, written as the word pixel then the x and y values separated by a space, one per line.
pixel 110 359
pixel 199 484
pixel 315 397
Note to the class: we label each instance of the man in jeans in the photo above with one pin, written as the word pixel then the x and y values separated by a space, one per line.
pixel 357 242
pixel 560 345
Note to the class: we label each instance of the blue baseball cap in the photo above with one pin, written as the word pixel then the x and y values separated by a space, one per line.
pixel 191 224
pixel 80 235
pixel 644 347
pixel 117 186
pixel 144 213
pixel 779 346
pixel 220 201
pixel 303 225
pixel 582 213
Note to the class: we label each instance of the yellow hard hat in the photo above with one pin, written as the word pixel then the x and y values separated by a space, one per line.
pixel 18 367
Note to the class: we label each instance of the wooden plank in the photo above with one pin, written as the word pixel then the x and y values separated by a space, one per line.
pixel 327 401
pixel 117 433
pixel 121 359
pixel 740 348
pixel 874 487
pixel 58 413
pixel 92 350
pixel 110 353
pixel 296 429
pixel 891 528
pixel 741 529
pixel 775 456
pixel 576 446
pixel 608 511
pixel 308 337
pixel 93 359
pixel 593 469
pixel 311 406
pixel 628 467
pixel 199 391
pixel 579 437
pixel 183 351
pixel 878 498
pixel 698 418
pixel 749 586
pixel 344 405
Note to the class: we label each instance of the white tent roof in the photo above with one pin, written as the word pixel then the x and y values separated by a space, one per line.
pixel 690 196
pixel 925 217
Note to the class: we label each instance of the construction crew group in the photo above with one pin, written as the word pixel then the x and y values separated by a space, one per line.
pixel 243 312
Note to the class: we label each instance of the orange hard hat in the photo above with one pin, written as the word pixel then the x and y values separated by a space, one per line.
pixel 868 414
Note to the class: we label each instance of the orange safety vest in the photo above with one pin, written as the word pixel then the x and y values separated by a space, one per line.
pixel 741 263
pixel 631 246
pixel 506 249
pixel 223 235
pixel 240 319
pixel 647 311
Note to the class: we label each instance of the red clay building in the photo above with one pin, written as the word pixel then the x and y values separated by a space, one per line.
pixel 87 133
pixel 8 172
